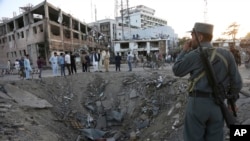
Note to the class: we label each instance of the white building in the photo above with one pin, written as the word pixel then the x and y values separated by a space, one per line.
pixel 139 31
pixel 226 43
pixel 140 16
pixel 141 47
pixel 150 39
pixel 107 27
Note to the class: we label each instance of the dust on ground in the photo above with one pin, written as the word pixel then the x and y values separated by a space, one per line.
pixel 116 106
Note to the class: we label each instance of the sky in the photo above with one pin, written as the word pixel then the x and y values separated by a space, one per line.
pixel 180 14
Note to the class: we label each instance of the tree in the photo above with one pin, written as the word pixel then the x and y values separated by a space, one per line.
pixel 232 31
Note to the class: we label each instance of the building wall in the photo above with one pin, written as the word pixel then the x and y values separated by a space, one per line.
pixel 146 46
pixel 135 20
pixel 27 34
pixel 17 41
pixel 142 17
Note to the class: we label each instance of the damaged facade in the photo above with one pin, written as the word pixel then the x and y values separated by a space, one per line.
pixel 42 30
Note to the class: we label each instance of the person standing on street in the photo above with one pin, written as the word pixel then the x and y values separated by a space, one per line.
pixel 88 61
pixel 27 67
pixel 67 62
pixel 73 62
pixel 236 54
pixel 129 60
pixel 204 120
pixel 22 69
pixel 106 61
pixel 95 58
pixel 40 64
pixel 118 62
pixel 54 62
pixel 101 59
pixel 84 61
pixel 62 64
pixel 9 67
pixel 17 65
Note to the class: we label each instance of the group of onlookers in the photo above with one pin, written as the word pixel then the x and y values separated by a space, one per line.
pixel 86 59
pixel 23 66
pixel 68 60
pixel 63 60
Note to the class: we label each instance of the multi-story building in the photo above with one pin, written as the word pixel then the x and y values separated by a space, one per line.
pixel 140 32
pixel 140 16
pixel 41 30
pixel 107 30
pixel 226 43
pixel 156 39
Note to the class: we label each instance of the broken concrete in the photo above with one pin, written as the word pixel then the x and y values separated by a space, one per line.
pixel 26 99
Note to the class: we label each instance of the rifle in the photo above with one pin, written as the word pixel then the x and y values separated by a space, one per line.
pixel 218 94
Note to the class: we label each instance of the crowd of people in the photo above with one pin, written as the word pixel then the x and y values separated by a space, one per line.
pixel 23 67
pixel 68 60
pixel 63 62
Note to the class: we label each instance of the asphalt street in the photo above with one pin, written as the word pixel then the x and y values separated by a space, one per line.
pixel 245 73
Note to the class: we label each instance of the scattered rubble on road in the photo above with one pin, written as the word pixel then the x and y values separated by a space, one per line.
pixel 143 106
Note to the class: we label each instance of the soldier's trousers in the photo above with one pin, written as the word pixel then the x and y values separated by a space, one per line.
pixel 203 120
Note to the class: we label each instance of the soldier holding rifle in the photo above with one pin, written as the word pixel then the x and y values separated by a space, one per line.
pixel 205 114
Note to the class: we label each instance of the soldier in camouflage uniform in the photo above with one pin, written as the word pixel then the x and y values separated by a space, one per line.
pixel 204 120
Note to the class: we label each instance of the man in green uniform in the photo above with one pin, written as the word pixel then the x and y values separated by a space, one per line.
pixel 204 120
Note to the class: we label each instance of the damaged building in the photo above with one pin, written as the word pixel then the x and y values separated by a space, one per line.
pixel 41 30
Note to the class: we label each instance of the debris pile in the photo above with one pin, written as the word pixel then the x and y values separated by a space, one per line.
pixel 130 113
pixel 138 106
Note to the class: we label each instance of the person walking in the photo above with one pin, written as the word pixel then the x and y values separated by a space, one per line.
pixel 40 64
pixel 118 62
pixel 73 63
pixel 54 62
pixel 67 62
pixel 129 60
pixel 27 67
pixel 106 61
pixel 204 120
pixel 61 62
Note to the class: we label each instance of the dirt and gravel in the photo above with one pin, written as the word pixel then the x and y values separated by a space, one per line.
pixel 112 106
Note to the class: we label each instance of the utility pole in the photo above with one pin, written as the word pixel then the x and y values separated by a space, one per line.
pixel 95 14
pixel 116 9
pixel 128 19
pixel 91 11
pixel 205 11
pixel 122 13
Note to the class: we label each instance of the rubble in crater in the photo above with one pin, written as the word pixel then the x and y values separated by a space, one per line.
pixel 141 106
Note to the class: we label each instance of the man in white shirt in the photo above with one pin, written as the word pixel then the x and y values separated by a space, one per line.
pixel 54 63
pixel 129 60
pixel 27 67
pixel 67 62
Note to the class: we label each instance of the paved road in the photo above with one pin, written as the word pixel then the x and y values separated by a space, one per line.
pixel 245 73
pixel 48 72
